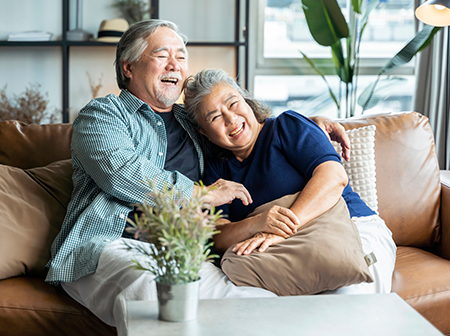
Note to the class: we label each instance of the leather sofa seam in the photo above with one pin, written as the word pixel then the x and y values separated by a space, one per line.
pixel 419 296
pixel 46 310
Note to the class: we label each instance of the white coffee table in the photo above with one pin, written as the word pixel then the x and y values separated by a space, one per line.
pixel 316 315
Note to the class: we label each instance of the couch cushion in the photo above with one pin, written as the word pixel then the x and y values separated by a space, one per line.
pixel 361 166
pixel 408 181
pixel 32 208
pixel 29 146
pixel 325 254
pixel 29 306
pixel 423 280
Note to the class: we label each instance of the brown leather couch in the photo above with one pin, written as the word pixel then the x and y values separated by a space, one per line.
pixel 413 199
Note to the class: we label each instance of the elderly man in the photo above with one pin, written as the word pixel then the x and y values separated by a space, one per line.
pixel 117 143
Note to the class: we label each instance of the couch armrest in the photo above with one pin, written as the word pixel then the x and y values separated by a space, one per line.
pixel 444 244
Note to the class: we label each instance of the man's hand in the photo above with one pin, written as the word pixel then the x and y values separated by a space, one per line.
pixel 224 192
pixel 336 132
pixel 261 239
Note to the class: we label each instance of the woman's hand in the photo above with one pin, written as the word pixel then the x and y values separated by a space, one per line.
pixel 261 239
pixel 336 132
pixel 277 220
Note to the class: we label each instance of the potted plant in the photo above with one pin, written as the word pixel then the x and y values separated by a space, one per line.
pixel 329 28
pixel 179 232
pixel 133 10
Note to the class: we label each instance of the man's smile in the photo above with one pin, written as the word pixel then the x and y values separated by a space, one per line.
pixel 170 81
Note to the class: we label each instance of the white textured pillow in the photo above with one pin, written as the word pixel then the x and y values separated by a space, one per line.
pixel 361 167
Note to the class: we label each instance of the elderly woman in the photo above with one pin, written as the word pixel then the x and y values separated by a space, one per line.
pixel 274 157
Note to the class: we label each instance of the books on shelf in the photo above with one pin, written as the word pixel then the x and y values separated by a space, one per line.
pixel 31 36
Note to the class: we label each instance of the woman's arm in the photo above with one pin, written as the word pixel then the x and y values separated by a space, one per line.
pixel 277 220
pixel 320 194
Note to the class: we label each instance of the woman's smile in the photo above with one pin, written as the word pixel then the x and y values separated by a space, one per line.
pixel 237 131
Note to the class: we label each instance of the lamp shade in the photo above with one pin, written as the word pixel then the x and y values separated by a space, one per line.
pixel 434 13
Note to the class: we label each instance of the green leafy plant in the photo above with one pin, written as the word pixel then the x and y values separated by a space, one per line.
pixel 133 10
pixel 179 232
pixel 329 28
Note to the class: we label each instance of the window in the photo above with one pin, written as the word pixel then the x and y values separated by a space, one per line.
pixel 284 80
pixel 211 30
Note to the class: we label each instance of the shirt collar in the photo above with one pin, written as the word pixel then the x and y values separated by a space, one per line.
pixel 131 102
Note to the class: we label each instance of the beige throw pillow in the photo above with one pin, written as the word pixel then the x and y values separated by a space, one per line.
pixel 325 254
pixel 33 204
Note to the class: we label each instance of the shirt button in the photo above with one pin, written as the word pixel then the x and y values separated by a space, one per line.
pixel 122 216
pixel 160 153
pixel 159 123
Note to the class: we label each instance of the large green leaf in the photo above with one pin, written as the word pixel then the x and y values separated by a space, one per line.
pixel 320 73
pixel 377 91
pixel 342 68
pixel 325 21
pixel 416 44
pixel 356 4
pixel 365 17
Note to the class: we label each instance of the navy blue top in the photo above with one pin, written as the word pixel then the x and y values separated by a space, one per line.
pixel 181 156
pixel 181 153
pixel 287 151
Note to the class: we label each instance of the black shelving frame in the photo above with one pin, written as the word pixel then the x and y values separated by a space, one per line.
pixel 237 43
pixel 65 45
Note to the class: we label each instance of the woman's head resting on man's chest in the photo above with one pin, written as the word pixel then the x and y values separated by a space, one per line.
pixel 223 112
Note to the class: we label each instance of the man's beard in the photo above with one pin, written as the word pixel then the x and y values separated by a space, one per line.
pixel 168 96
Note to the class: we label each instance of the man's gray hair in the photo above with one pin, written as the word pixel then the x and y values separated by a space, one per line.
pixel 133 43
pixel 197 87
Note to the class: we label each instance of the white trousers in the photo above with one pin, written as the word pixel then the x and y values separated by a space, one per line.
pixel 106 291
pixel 377 238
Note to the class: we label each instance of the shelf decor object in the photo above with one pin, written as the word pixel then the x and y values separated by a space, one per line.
pixel 112 30
pixel 78 34
pixel 30 36
pixel 133 10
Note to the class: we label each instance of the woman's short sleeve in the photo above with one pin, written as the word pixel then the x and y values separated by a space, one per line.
pixel 305 145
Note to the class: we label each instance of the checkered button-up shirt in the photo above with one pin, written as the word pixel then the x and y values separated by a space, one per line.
pixel 117 143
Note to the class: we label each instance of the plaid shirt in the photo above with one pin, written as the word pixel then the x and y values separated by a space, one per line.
pixel 117 143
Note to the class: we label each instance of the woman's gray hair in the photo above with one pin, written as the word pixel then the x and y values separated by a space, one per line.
pixel 133 43
pixel 198 86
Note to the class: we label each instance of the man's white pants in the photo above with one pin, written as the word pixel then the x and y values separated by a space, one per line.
pixel 106 291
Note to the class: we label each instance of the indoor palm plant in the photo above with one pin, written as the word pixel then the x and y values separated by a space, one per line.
pixel 179 232
pixel 329 28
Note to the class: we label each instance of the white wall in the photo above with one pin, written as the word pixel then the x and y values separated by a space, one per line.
pixel 200 20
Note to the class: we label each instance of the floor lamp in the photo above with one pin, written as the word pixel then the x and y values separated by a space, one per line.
pixel 437 13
